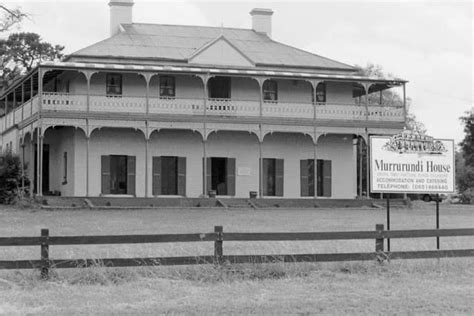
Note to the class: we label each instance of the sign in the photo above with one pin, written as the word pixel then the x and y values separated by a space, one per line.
pixel 411 162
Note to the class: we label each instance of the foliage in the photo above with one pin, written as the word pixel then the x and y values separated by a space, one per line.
pixel 9 17
pixel 11 179
pixel 467 144
pixel 23 51
pixel 465 160
pixel 390 96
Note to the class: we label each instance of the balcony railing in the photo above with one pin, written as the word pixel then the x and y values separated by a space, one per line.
pixel 195 106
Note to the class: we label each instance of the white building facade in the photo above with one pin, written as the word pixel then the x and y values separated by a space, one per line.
pixel 166 110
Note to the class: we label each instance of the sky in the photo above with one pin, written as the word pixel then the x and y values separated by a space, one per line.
pixel 428 43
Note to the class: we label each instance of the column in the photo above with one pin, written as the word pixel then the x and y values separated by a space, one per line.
pixel 204 138
pixel 260 140
pixel 368 164
pixel 22 101
pixel 40 133
pixel 147 144
pixel 32 162
pixel 404 104
pixel 87 161
pixel 360 166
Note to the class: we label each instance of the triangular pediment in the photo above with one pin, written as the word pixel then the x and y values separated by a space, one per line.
pixel 220 52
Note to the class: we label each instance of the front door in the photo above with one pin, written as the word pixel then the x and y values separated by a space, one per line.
pixel 219 172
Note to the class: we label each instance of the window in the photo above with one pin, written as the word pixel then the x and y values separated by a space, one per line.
pixel 321 93
pixel 114 84
pixel 65 168
pixel 167 86
pixel 270 90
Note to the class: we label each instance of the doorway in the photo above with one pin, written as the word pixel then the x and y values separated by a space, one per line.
pixel 219 175
pixel 45 175
pixel 118 174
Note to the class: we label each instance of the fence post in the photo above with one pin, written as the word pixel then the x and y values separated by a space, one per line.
pixel 218 252
pixel 44 253
pixel 379 240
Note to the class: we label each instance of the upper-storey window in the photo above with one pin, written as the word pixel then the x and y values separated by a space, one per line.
pixel 270 90
pixel 219 88
pixel 167 86
pixel 321 93
pixel 114 84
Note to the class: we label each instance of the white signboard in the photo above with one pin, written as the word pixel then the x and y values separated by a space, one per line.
pixel 411 163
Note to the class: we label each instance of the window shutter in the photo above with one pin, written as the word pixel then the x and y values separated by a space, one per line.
pixel 327 178
pixel 304 177
pixel 279 177
pixel 265 176
pixel 156 175
pixel 105 168
pixel 208 176
pixel 131 175
pixel 231 176
pixel 182 176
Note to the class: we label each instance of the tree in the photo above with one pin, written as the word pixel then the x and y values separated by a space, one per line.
pixel 23 51
pixel 11 179
pixel 389 96
pixel 465 160
pixel 10 17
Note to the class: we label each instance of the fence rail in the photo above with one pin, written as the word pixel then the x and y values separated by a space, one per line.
pixel 218 237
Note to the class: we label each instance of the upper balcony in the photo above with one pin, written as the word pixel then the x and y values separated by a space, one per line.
pixel 185 96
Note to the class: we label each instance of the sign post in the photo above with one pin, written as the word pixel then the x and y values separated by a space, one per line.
pixel 411 162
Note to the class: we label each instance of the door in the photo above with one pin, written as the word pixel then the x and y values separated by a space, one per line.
pixel 324 168
pixel 118 174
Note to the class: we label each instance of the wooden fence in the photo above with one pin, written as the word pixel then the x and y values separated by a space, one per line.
pixel 218 237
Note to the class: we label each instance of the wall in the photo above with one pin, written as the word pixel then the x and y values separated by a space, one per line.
pixel 10 138
pixel 61 140
pixel 340 150
pixel 181 144
pixel 192 87
pixel 242 146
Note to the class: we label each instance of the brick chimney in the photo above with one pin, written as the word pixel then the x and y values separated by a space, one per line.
pixel 120 13
pixel 262 21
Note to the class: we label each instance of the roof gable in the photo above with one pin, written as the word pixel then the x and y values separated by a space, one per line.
pixel 220 52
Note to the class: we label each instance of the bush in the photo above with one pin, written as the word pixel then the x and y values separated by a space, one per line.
pixel 11 179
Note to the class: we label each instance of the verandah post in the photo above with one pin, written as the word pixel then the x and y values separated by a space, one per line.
pixel 379 239
pixel 218 251
pixel 44 253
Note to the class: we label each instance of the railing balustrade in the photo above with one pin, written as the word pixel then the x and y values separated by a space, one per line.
pixel 229 107
pixel 54 101
pixel 385 113
pixel 340 111
pixel 176 106
pixel 285 109
pixel 121 104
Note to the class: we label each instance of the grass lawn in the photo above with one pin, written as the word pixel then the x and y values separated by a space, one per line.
pixel 414 286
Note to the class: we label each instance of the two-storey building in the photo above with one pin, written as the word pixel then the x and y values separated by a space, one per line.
pixel 171 110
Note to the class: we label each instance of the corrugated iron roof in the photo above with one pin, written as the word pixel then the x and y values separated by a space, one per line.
pixel 179 42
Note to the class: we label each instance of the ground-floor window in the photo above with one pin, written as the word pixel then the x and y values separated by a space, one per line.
pixel 169 175
pixel 220 175
pixel 324 177
pixel 272 177
pixel 118 174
